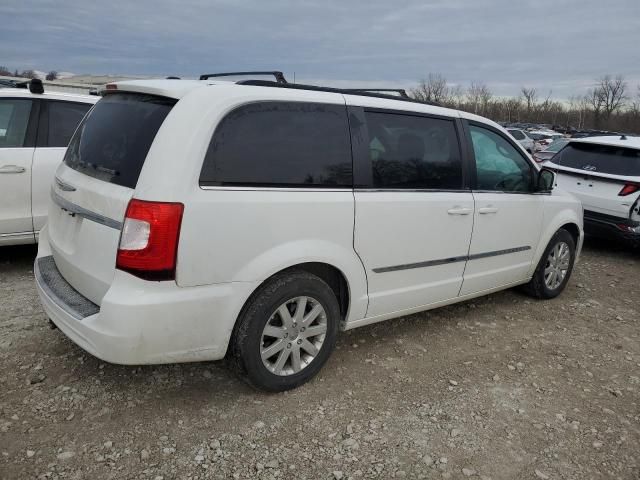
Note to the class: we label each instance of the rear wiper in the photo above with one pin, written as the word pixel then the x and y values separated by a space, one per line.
pixel 103 169
pixel 107 170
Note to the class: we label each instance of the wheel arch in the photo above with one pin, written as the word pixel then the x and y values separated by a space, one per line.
pixel 574 230
pixel 330 274
pixel 567 219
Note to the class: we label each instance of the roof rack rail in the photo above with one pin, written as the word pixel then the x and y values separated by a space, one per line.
pixel 400 91
pixel 279 76
pixel 362 92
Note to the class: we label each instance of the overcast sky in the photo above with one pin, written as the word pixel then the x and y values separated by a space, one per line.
pixel 558 45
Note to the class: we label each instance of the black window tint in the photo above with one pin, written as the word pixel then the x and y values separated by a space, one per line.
pixel 14 120
pixel 499 165
pixel 64 118
pixel 600 159
pixel 281 144
pixel 113 140
pixel 413 152
pixel 517 134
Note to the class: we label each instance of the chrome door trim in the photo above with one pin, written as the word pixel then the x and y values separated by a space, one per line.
pixel 444 261
pixel 428 263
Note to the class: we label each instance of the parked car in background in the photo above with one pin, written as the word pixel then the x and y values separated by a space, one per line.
pixel 5 82
pixel 521 136
pixel 548 152
pixel 543 138
pixel 257 228
pixel 35 129
pixel 604 173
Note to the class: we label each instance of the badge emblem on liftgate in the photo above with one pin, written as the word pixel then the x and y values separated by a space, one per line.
pixel 590 168
pixel 64 186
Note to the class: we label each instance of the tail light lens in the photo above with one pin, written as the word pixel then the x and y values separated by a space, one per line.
pixel 149 240
pixel 628 189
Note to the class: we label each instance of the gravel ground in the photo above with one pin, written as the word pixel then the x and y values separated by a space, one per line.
pixel 499 387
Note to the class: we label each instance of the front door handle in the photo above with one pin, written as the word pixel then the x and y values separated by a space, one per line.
pixel 459 211
pixel 486 210
pixel 12 169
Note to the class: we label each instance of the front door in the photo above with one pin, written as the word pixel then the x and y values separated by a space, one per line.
pixel 413 215
pixel 508 214
pixel 16 155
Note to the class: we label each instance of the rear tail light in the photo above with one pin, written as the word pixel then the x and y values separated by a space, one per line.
pixel 149 240
pixel 628 189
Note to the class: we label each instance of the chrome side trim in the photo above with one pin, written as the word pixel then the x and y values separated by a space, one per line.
pixel 445 261
pixel 19 234
pixel 495 253
pixel 429 263
pixel 74 209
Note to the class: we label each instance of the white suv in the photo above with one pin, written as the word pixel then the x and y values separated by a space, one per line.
pixel 604 173
pixel 194 220
pixel 523 139
pixel 35 128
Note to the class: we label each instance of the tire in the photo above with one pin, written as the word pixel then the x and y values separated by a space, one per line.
pixel 250 339
pixel 537 286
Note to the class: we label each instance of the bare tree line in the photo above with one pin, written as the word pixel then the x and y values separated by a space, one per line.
pixel 609 105
pixel 28 74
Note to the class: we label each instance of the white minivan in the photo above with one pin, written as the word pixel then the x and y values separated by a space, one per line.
pixel 254 220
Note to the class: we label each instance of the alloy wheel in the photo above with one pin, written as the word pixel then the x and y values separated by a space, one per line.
pixel 293 336
pixel 557 265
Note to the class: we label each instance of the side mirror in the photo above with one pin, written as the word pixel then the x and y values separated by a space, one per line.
pixel 546 180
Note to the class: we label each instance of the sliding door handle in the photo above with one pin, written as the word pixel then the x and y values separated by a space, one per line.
pixel 486 210
pixel 459 211
pixel 12 169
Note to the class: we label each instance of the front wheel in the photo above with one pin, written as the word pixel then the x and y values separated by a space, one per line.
pixel 286 332
pixel 554 269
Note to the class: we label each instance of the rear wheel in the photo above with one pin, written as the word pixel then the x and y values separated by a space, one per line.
pixel 286 332
pixel 554 269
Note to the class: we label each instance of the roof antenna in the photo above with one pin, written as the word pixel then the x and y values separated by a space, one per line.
pixel 623 137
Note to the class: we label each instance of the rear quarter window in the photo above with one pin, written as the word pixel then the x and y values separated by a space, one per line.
pixel 609 159
pixel 281 144
pixel 113 140
pixel 63 119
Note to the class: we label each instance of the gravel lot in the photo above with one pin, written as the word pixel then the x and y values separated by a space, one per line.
pixel 500 387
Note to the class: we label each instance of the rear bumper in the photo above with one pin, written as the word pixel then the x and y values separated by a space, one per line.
pixel 140 322
pixel 602 225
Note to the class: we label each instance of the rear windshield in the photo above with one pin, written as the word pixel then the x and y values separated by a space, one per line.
pixel 600 158
pixel 113 140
